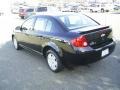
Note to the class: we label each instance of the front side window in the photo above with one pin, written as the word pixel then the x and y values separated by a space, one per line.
pixel 40 24
pixel 77 21
pixel 28 24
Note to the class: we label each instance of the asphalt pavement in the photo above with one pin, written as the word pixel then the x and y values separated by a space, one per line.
pixel 25 70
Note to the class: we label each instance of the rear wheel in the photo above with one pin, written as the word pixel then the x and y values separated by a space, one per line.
pixel 53 61
pixel 15 43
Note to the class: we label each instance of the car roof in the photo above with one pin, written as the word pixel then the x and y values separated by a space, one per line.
pixel 56 14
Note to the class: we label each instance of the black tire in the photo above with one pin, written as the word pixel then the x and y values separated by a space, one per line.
pixel 91 10
pixel 107 10
pixel 102 10
pixel 15 43
pixel 22 17
pixel 59 65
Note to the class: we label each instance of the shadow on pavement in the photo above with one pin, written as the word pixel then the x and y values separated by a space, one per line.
pixel 28 69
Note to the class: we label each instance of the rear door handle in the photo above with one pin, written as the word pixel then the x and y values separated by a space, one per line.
pixel 40 36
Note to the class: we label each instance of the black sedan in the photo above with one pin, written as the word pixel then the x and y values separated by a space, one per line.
pixel 64 37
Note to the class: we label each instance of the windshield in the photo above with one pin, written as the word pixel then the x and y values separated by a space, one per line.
pixel 77 21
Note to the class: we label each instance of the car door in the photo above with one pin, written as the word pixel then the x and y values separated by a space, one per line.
pixel 26 29
pixel 35 39
pixel 41 33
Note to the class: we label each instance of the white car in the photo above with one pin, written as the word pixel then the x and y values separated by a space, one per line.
pixel 29 11
pixel 15 10
pixel 101 8
pixel 41 9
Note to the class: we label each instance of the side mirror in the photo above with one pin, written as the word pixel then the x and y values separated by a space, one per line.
pixel 18 28
pixel 24 28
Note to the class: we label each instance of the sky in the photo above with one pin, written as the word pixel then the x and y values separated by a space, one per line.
pixel 4 5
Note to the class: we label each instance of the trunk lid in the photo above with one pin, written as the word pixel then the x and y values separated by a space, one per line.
pixel 97 36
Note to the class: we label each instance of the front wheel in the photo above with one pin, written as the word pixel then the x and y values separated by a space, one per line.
pixel 15 43
pixel 54 61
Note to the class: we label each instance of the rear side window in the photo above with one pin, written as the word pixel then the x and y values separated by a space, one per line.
pixel 44 25
pixel 49 26
pixel 40 24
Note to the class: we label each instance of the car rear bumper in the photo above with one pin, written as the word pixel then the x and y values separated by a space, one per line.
pixel 22 15
pixel 89 55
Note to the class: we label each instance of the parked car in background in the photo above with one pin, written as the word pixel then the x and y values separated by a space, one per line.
pixel 41 9
pixel 2 12
pixel 29 11
pixel 101 8
pixel 116 7
pixel 16 6
pixel 15 10
pixel 71 9
pixel 107 7
pixel 75 9
pixel 64 37
pixel 65 9
pixel 25 12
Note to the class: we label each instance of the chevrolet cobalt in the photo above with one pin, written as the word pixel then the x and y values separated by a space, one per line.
pixel 64 37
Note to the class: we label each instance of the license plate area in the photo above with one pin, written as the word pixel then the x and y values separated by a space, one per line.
pixel 105 52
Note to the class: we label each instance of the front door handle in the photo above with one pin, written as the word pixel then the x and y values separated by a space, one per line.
pixel 40 36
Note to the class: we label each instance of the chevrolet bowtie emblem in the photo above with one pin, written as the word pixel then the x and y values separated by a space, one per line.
pixel 102 35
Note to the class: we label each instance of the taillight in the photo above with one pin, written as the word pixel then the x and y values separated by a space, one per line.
pixel 110 35
pixel 80 41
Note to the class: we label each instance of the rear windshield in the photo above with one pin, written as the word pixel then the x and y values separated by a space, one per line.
pixel 30 10
pixel 77 21
pixel 41 9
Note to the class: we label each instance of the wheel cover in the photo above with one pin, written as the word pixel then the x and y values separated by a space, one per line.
pixel 15 43
pixel 52 61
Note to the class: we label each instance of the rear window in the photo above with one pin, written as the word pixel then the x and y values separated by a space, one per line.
pixel 30 10
pixel 41 9
pixel 77 21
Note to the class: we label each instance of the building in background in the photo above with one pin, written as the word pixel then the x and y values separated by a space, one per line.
pixel 62 3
